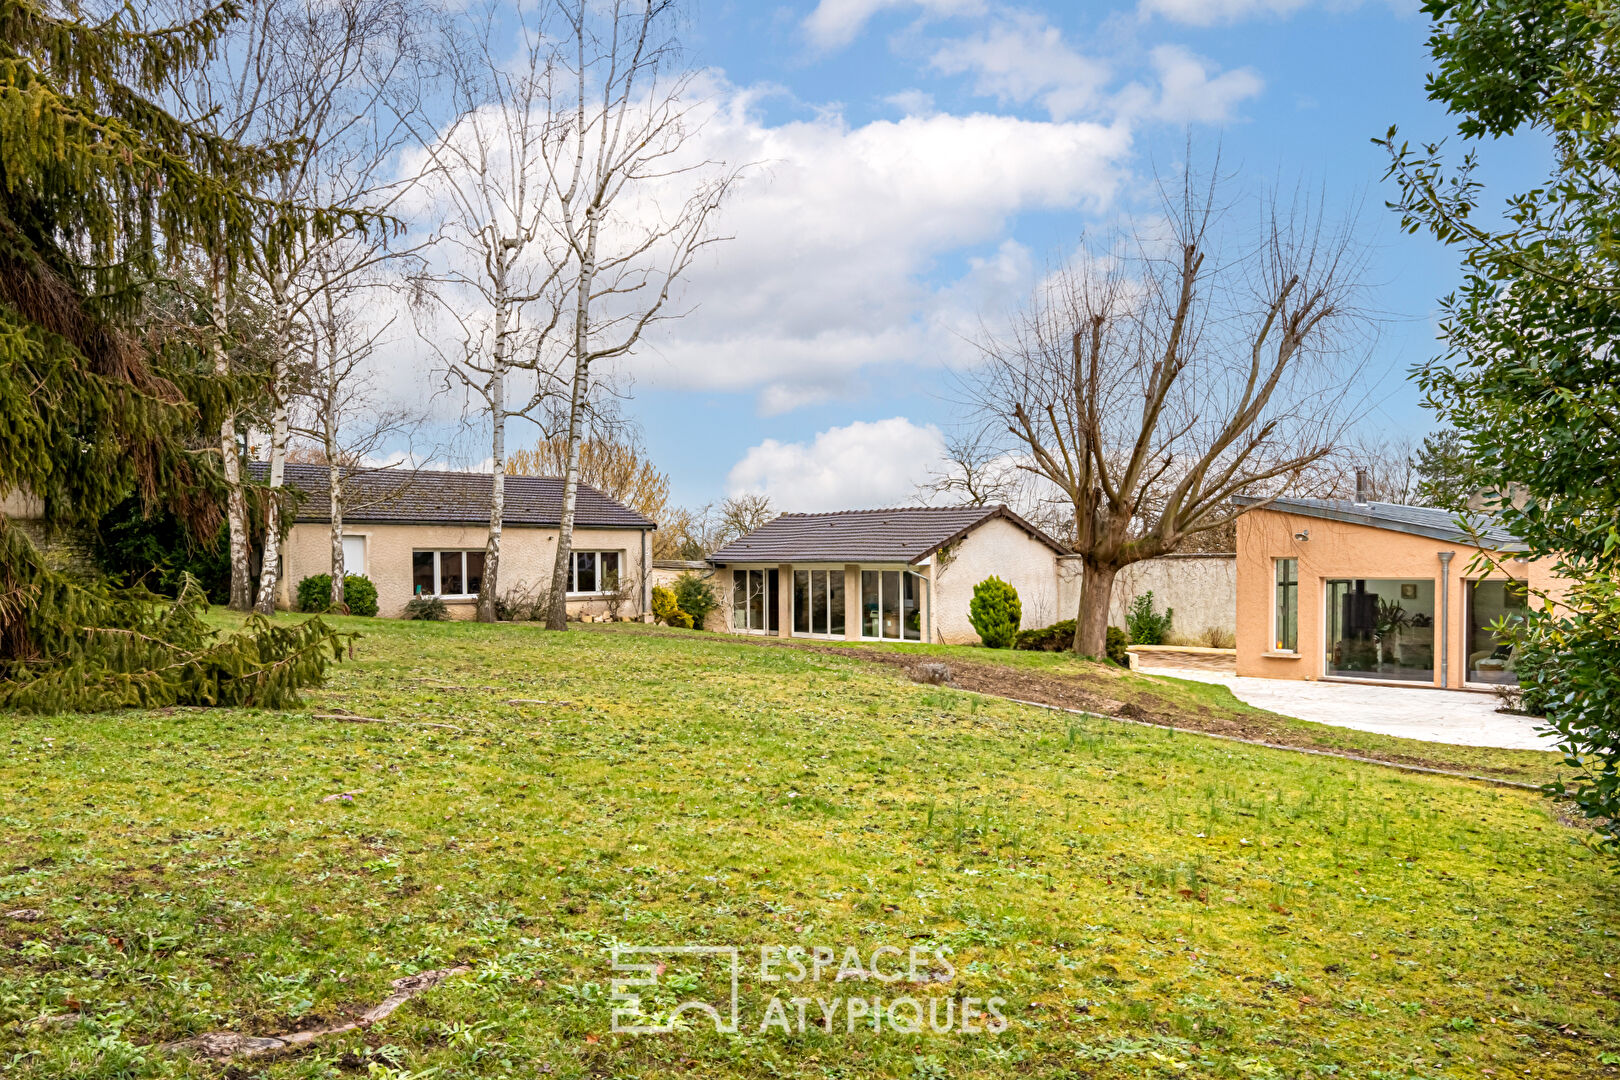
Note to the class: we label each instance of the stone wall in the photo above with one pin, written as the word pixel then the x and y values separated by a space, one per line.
pixel 1202 590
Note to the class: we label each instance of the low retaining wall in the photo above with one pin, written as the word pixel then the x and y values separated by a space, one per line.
pixel 1183 656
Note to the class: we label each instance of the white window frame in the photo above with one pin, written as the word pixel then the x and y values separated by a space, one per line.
pixel 1468 621
pixel 365 553
pixel 437 554
pixel 793 614
pixel 771 599
pixel 597 553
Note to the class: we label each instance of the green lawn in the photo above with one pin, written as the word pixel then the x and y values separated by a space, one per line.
pixel 1147 904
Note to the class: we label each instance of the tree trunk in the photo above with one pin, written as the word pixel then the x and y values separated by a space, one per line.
pixel 1096 595
pixel 231 462
pixel 487 589
pixel 557 610
pixel 334 482
pixel 270 571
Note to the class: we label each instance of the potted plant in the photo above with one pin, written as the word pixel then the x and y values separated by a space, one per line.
pixel 1387 627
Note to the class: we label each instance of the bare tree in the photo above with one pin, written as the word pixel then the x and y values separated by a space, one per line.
pixel 977 472
pixel 1153 379
pixel 1374 469
pixel 309 77
pixel 741 514
pixel 627 201
pixel 498 262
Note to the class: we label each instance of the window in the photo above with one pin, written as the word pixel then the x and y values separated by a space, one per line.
pixel 1381 629
pixel 594 572
pixel 818 602
pixel 354 554
pixel 447 573
pixel 1493 606
pixel 753 601
pixel 890 610
pixel 1286 637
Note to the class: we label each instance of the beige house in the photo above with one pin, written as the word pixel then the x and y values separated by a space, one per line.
pixel 1369 591
pixel 424 534
pixel 884 575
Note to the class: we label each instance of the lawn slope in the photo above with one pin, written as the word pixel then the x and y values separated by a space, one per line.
pixel 1145 903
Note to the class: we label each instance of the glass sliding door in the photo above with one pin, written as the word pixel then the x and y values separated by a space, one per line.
pixel 890 606
pixel 818 602
pixel 753 601
pixel 1381 628
pixel 1493 605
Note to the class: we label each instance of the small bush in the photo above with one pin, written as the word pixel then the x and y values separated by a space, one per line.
pixel 1145 625
pixel 524 604
pixel 359 594
pixel 666 610
pixel 695 596
pixel 1059 637
pixel 426 609
pixel 995 612
pixel 1118 642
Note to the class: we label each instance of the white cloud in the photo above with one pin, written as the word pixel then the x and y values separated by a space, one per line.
pixel 835 23
pixel 1210 12
pixel 864 465
pixel 912 102
pixel 836 235
pixel 1191 89
pixel 1024 58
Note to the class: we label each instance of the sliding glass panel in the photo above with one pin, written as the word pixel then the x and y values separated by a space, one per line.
pixel 609 562
pixel 891 604
pixel 818 602
pixel 1381 629
pixel 910 608
pixel 871 619
pixel 773 601
pixel 1492 604
pixel 835 602
pixel 422 573
pixel 802 604
pixel 450 573
pixel 756 599
pixel 475 571
pixel 739 599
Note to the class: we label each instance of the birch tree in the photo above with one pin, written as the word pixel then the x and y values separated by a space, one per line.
pixel 629 201
pixel 494 282
pixel 1153 378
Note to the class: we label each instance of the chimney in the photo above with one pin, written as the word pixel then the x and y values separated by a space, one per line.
pixel 1361 487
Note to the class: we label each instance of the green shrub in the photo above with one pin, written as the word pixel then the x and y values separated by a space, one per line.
pixel 1059 637
pixel 995 612
pixel 695 596
pixel 426 609
pixel 1145 625
pixel 359 594
pixel 1118 642
pixel 667 610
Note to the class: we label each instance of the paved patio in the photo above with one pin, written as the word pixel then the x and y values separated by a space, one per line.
pixel 1449 716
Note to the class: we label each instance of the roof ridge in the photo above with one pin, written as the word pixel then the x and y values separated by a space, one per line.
pixel 987 507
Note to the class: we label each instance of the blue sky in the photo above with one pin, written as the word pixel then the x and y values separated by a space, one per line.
pixel 921 160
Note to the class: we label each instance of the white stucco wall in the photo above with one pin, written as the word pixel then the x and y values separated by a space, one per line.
pixel 1201 588
pixel 998 548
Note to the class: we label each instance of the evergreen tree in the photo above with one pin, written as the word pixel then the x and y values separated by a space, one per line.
pixel 100 190
pixel 1447 474
pixel 1531 378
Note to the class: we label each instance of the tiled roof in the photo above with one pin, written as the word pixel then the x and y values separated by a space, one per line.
pixel 433 497
pixel 907 535
pixel 1483 530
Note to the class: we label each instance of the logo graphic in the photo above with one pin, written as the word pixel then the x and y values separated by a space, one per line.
pixel 648 968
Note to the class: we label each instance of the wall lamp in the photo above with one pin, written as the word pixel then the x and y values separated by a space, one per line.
pixel 1303 535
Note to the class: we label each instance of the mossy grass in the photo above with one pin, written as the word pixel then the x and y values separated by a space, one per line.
pixel 1148 904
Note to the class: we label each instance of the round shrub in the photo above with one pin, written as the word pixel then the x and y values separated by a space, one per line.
pixel 315 594
pixel 667 610
pixel 995 612
pixel 1118 642
pixel 695 596
pixel 426 609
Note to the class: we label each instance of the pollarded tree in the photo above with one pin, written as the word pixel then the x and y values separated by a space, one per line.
pixel 98 185
pixel 1154 378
